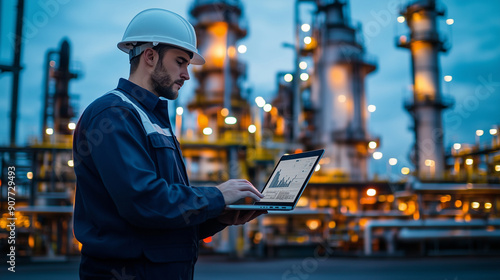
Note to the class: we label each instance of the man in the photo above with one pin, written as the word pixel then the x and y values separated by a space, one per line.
pixel 136 214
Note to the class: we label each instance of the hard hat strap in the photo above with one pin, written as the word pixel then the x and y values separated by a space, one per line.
pixel 137 50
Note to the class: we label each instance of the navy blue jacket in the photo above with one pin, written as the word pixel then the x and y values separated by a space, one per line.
pixel 133 197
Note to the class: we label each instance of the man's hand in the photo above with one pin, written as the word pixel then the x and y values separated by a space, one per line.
pixel 236 189
pixel 237 217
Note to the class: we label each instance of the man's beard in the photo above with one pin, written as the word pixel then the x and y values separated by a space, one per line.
pixel 162 83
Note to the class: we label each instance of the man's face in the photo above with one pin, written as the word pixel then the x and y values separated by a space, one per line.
pixel 170 73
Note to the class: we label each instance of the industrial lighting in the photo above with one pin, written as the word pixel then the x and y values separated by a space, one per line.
pixel 450 21
pixel 402 206
pixel 493 131
pixel 429 162
pixel 29 175
pixel 372 145
pixel 230 120
pixel 49 131
pixel 371 192
pixel 288 78
pixel 458 203
pixel 312 224
pixel 393 161
pixel 405 170
pixel 401 19
pixel 304 76
pixel 307 40
pixel 448 78
pixel 252 128
pixel 475 204
pixel 488 205
pixel 479 132
pixel 305 27
pixel 224 112
pixel 71 163
pixel 179 111
pixel 372 108
pixel 457 146
pixel 208 131
pixel 341 98
pixel 318 167
pixel 242 49
pixel 497 168
pixel 72 125
pixel 377 155
pixel 268 107
pixel 260 101
pixel 469 161
pixel 303 65
pixel 403 39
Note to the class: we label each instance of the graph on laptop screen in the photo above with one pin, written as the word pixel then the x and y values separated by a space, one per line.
pixel 287 180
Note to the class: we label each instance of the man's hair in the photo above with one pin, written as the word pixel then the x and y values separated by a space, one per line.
pixel 160 48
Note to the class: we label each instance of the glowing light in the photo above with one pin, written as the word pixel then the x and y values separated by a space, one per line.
pixel 497 168
pixel 260 101
pixel 487 205
pixel 371 192
pixel 224 112
pixel 405 170
pixel 403 39
pixel 29 175
pixel 372 108
pixel 377 155
pixel 402 206
pixel 268 107
pixel 304 76
pixel 242 49
pixel 307 40
pixel 475 205
pixel 341 98
pixel 230 120
pixel 288 78
pixel 71 163
pixel 469 161
pixel 448 78
pixel 312 224
pixel 252 128
pixel 372 145
pixel 493 131
pixel 303 65
pixel 179 111
pixel 457 146
pixel 305 27
pixel 450 21
pixel 318 167
pixel 429 162
pixel 393 161
pixel 332 224
pixel 458 203
pixel 208 239
pixel 401 19
pixel 207 131
pixel 52 63
pixel 49 131
pixel 72 125
pixel 479 132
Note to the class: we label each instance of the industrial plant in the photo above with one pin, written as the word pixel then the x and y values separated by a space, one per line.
pixel 448 202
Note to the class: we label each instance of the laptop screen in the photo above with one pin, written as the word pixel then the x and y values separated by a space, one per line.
pixel 287 179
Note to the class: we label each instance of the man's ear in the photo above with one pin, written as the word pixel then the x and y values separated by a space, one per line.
pixel 150 57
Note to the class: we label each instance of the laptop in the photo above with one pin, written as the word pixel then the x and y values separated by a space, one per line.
pixel 287 182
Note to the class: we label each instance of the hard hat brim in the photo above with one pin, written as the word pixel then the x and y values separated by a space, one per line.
pixel 126 47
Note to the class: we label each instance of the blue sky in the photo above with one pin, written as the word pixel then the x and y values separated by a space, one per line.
pixel 94 27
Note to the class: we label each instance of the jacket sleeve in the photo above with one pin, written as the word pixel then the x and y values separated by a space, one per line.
pixel 129 176
pixel 210 228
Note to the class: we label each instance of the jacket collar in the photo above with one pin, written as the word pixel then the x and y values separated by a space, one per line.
pixel 148 99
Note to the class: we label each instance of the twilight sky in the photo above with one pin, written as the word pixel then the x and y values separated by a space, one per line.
pixel 94 27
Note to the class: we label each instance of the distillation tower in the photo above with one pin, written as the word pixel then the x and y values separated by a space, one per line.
pixel 425 44
pixel 338 93
pixel 219 25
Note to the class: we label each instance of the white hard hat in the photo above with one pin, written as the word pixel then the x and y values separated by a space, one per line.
pixel 158 26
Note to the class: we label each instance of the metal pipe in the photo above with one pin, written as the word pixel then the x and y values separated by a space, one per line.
pixel 16 71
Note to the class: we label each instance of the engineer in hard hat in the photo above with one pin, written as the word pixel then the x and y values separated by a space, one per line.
pixel 136 214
